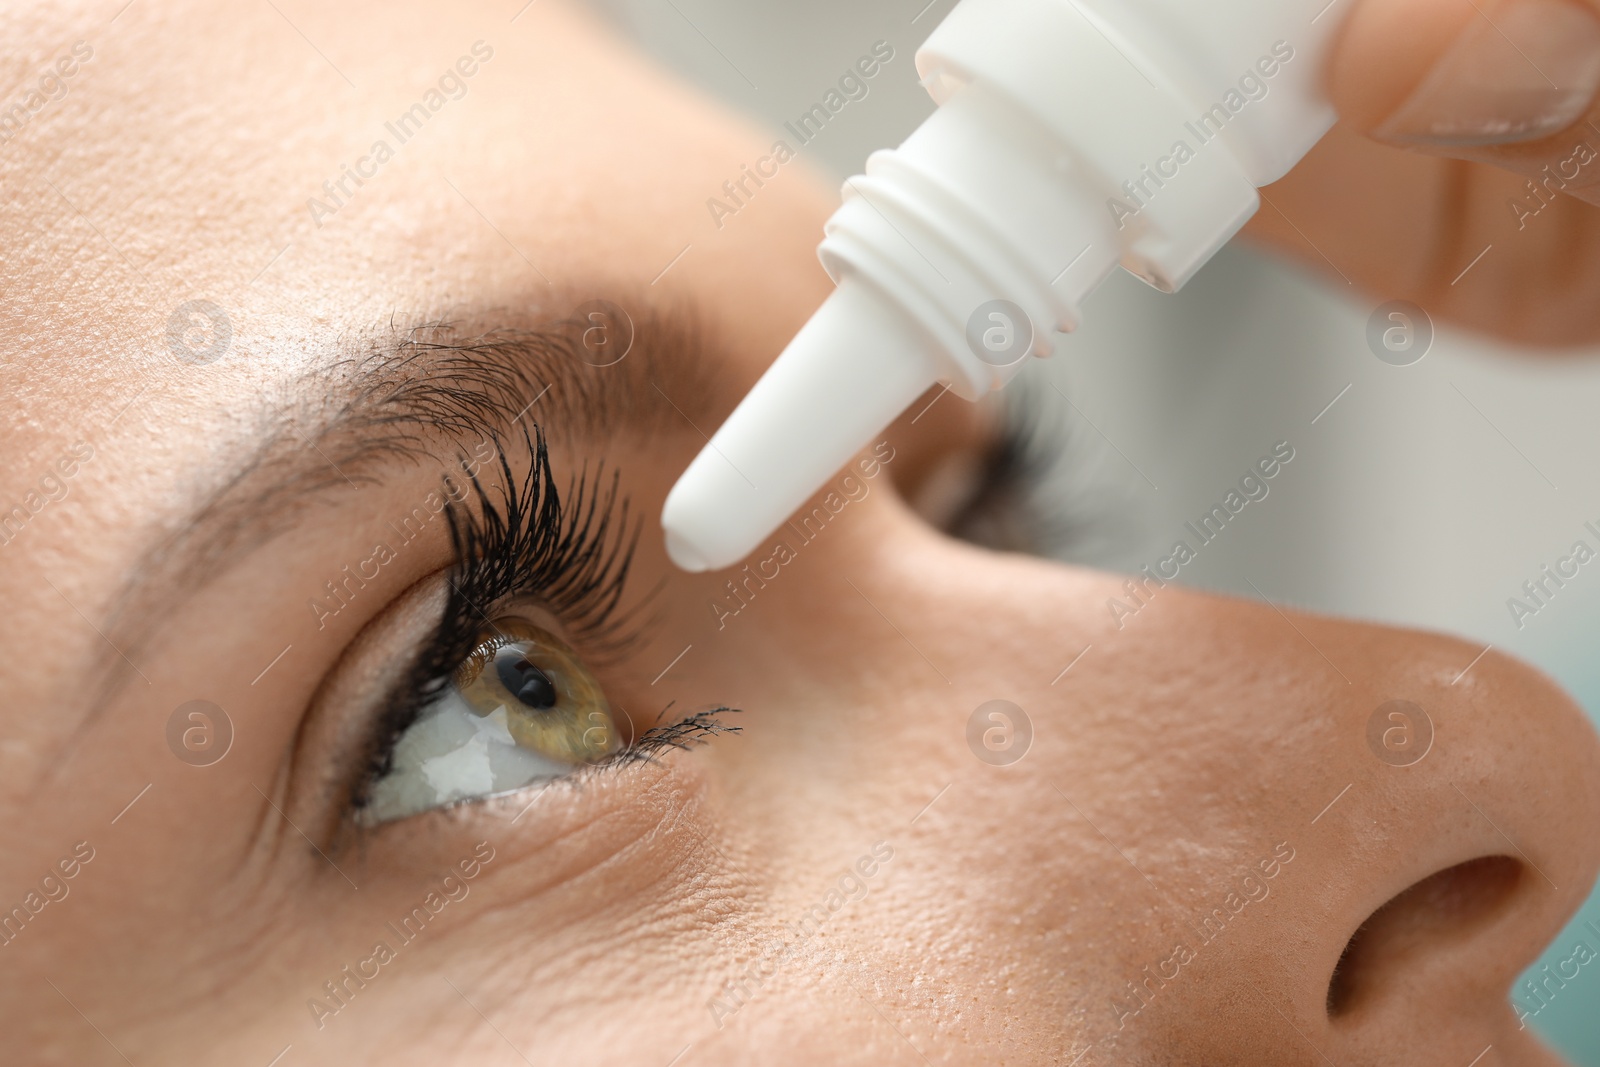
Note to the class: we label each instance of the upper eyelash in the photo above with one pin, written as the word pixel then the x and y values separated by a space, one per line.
pixel 562 546
pixel 573 550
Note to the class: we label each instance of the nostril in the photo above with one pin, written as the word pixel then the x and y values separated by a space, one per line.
pixel 1444 907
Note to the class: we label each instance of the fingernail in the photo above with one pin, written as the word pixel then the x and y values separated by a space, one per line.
pixel 1517 73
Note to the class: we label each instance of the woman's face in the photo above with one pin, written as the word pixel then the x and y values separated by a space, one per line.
pixel 251 543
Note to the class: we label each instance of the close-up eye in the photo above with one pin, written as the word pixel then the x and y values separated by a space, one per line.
pixel 521 708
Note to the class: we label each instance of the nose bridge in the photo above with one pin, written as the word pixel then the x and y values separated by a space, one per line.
pixel 900 599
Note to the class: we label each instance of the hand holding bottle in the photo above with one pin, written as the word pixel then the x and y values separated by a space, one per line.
pixel 1493 108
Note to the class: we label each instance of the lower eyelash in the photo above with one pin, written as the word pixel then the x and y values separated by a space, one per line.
pixel 682 734
pixel 509 769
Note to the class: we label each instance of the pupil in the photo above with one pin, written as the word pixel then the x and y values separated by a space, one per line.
pixel 530 685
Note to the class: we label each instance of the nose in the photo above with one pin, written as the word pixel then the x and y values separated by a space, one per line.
pixel 1441 804
pixel 1467 837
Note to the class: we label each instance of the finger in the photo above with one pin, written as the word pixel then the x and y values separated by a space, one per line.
pixel 1442 234
pixel 1513 83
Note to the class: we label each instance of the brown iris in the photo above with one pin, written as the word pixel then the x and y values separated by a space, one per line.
pixel 554 706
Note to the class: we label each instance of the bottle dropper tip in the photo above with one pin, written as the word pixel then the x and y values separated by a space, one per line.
pixel 855 365
pixel 683 552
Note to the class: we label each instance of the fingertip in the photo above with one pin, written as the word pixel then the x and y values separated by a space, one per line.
pixel 1384 51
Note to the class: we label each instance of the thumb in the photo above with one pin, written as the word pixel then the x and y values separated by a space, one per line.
pixel 1509 82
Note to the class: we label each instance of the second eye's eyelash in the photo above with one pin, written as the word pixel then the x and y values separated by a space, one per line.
pixel 573 551
pixel 1038 492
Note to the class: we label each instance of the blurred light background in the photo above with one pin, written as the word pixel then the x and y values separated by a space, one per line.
pixel 1425 496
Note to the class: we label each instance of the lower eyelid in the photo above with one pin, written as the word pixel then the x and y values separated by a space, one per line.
pixel 615 833
pixel 453 754
pixel 398 796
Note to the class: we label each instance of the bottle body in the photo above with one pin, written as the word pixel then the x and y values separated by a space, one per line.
pixel 1072 136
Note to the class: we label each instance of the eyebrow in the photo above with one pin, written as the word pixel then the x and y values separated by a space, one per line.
pixel 402 396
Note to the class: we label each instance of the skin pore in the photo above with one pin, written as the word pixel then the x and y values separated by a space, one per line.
pixel 1162 879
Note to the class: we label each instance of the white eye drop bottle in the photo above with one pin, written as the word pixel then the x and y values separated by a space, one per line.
pixel 1072 136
